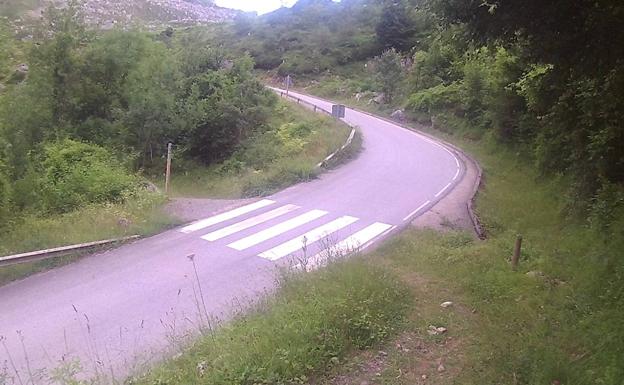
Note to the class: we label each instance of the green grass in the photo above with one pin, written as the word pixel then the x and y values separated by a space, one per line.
pixel 141 214
pixel 311 325
pixel 561 326
pixel 272 160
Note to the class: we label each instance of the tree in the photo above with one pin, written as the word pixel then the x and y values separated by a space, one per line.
pixel 395 28
pixel 389 73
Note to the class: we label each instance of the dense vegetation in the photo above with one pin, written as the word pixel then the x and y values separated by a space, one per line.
pixel 91 109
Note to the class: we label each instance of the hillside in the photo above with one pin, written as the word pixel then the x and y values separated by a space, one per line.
pixel 109 13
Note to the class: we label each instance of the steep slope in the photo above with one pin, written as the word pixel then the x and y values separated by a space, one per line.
pixel 109 13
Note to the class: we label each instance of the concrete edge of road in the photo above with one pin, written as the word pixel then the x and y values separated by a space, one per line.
pixel 459 155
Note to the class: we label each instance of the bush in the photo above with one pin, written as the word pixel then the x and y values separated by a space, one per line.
pixel 436 99
pixel 75 173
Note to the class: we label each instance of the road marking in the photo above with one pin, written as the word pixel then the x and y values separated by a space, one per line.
pixel 456 175
pixel 356 242
pixel 251 222
pixel 310 237
pixel 416 211
pixel 276 230
pixel 225 216
pixel 443 190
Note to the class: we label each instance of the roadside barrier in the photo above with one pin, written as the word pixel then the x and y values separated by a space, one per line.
pixel 59 251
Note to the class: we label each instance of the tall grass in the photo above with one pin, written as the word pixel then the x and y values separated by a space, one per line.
pixel 309 326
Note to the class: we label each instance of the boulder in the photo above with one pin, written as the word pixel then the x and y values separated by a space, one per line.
pixel 398 115
pixel 378 99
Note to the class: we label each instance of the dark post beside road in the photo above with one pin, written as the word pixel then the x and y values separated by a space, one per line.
pixel 516 255
pixel 168 171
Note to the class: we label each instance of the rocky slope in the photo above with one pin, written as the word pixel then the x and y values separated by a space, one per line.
pixel 110 13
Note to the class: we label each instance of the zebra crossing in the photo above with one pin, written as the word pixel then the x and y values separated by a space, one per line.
pixel 273 231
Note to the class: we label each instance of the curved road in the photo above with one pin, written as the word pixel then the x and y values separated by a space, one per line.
pixel 118 310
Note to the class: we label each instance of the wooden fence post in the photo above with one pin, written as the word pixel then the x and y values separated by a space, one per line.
pixel 168 171
pixel 516 255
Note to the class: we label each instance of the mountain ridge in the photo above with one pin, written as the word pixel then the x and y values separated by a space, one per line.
pixel 109 14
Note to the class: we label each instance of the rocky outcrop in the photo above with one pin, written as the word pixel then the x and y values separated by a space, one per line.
pixel 151 14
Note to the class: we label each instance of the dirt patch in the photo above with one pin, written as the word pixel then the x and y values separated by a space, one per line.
pixel 191 209
pixel 415 356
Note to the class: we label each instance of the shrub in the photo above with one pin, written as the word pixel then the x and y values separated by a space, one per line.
pixel 436 98
pixel 75 173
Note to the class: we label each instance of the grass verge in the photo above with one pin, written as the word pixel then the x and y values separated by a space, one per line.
pixel 309 326
pixel 283 155
pixel 142 214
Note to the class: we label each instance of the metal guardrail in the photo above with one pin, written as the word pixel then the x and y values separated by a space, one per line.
pixel 58 251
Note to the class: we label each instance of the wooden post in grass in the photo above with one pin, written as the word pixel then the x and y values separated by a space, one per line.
pixel 168 172
pixel 516 255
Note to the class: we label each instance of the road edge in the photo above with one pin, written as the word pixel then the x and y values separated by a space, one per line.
pixel 459 154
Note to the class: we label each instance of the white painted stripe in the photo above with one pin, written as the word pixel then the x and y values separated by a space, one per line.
pixel 456 174
pixel 201 224
pixel 309 238
pixel 276 230
pixel 251 222
pixel 356 242
pixel 416 211
pixel 443 190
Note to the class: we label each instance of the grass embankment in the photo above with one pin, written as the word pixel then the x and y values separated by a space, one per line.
pixel 141 214
pixel 283 155
pixel 311 325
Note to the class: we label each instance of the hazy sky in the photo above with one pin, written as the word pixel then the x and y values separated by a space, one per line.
pixel 260 6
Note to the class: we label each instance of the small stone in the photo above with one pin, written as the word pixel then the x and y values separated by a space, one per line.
pixel 441 368
pixel 201 368
pixel 382 353
pixel 446 304
pixel 424 376
pixel 535 274
pixel 378 374
pixel 398 115
pixel 436 330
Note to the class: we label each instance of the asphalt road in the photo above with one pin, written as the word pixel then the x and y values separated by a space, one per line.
pixel 117 310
